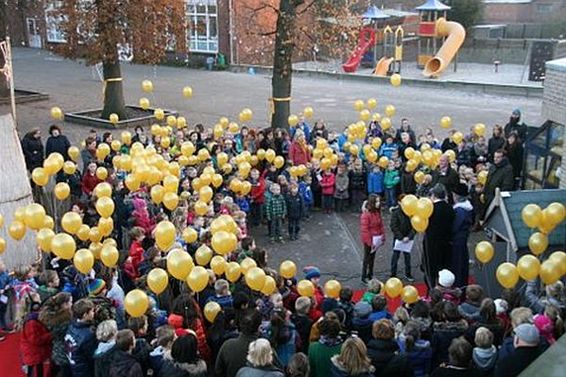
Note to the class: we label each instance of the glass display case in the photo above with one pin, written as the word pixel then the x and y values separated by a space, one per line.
pixel 543 155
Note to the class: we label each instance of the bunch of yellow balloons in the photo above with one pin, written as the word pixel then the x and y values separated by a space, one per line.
pixel 546 219
pixel 419 210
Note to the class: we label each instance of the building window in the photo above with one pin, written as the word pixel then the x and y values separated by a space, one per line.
pixel 53 21
pixel 544 8
pixel 202 34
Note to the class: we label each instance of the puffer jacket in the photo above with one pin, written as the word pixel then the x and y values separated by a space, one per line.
pixel 33 152
pixel 35 342
pixel 420 356
pixel 125 365
pixel 442 335
pixel 295 206
pixel 59 144
pixel 327 184
pixel 358 180
pixel 80 344
pixel 391 178
pixel 371 225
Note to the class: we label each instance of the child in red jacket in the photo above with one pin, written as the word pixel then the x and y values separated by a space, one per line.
pixel 135 254
pixel 35 341
pixel 257 197
pixel 327 181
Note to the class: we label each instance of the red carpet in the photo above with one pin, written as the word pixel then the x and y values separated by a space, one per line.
pixel 392 303
pixel 10 356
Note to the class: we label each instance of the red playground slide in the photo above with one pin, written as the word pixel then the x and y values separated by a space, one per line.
pixel 365 42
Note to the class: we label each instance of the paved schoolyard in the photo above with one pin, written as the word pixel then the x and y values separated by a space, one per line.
pixel 330 242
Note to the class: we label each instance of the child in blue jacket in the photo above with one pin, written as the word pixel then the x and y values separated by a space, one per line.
pixel 375 181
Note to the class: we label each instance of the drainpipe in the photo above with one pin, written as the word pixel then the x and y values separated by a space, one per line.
pixel 231 32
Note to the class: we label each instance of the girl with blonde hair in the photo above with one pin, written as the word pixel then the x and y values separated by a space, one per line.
pixel 352 360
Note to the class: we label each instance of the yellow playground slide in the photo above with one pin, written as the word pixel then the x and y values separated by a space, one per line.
pixel 382 66
pixel 456 35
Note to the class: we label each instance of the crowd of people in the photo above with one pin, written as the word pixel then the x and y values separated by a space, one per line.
pixel 77 324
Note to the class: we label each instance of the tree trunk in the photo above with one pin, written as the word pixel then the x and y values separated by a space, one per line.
pixel 4 89
pixel 282 62
pixel 113 93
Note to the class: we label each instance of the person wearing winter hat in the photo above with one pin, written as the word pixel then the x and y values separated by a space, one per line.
pixel 97 287
pixel 445 282
pixel 526 340
pixel 361 323
pixel 461 227
pixel 312 273
pixel 515 125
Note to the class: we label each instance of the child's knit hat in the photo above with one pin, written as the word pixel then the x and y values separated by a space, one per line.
pixel 96 286
pixel 446 278
pixel 311 272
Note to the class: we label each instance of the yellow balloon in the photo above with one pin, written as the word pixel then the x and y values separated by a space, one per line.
pixel 484 251
pixel 144 103
pixel 187 92
pixel 279 162
pixel 393 287
pixel 94 234
pixel 62 190
pixel 165 235
pixel 385 123
pixel 445 122
pixel 203 255
pixel 365 115
pixel 556 212
pixel 147 86
pixel 479 129
pixel 538 242
pixel 190 235
pixel 528 267
pixel 157 280
pixel 372 103
pixel 83 260
pixel 109 255
pixel 559 257
pixel 198 279
pixel 43 239
pixel 105 206
pixel 410 294
pixel 308 112
pixel 389 110
pixel 157 192
pixel 531 215
pixel 332 288
pixel 246 264
pixel 205 194
pixel 74 153
pixel 359 105
pixel 419 177
pixel 224 242
pixel 217 180
pixel 211 310
pixel 425 208
pixel 56 113
pixel 409 205
pixel 83 233
pixel 179 264
pixel 269 286
pixel 69 168
pixel 218 264
pixel 458 137
pixel 550 272
pixel 39 176
pixel 34 216
pixel 395 79
pixel 63 246
pixel 106 226
pixel 170 200
pixel 136 303
pixel 71 222
pixel 201 208
pixel 305 288
pixel 114 118
pixel 482 177
pixel 233 271
pixel 2 245
pixel 507 275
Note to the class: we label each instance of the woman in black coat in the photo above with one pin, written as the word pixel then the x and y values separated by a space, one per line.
pixel 57 142
pixel 33 149
pixel 514 150
pixel 496 142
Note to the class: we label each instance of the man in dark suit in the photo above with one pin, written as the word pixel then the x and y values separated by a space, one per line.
pixel 437 243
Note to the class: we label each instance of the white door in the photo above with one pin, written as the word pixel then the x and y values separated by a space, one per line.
pixel 34 39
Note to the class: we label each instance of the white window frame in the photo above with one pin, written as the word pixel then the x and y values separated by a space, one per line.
pixel 196 42
pixel 53 32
